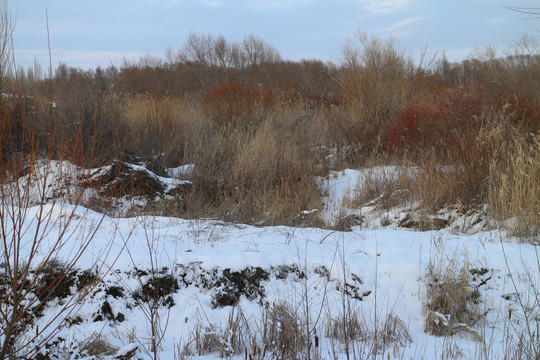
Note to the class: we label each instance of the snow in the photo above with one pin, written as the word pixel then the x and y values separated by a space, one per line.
pixel 389 265
pixel 343 186
pixel 181 171
pixel 129 348
pixel 168 182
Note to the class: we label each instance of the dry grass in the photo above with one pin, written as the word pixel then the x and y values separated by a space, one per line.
pixel 98 346
pixel 514 186
pixel 386 188
pixel 346 328
pixel 496 165
pixel 207 338
pixel 278 334
pixel 441 184
pixel 156 127
pixel 258 137
pixel 264 172
pixel 261 173
pixel 364 338
pixel 451 301
pixel 282 331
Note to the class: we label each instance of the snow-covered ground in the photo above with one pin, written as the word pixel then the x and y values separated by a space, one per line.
pixel 322 275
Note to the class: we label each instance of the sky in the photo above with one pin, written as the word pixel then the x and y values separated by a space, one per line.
pixel 88 34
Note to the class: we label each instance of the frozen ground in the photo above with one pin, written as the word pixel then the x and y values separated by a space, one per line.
pixel 321 274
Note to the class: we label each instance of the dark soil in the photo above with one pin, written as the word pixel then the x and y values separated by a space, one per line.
pixel 234 284
pixel 158 289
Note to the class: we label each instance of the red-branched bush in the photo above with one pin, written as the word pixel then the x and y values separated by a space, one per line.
pixel 527 111
pixel 237 104
pixel 441 119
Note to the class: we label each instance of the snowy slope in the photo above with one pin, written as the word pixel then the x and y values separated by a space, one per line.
pixel 325 274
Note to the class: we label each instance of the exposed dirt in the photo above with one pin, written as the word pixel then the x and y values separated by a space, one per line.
pixel 120 180
pixel 158 289
pixel 234 284
pixel 424 223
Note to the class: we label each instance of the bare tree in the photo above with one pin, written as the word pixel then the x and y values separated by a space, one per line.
pixel 198 48
pixel 373 67
pixel 222 52
pixel 258 52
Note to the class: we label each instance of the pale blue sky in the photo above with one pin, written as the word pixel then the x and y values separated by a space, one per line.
pixel 102 32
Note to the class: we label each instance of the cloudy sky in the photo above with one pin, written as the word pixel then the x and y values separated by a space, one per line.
pixel 101 32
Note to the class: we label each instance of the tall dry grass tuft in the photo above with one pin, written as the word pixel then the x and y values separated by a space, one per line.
pixel 444 182
pixel 282 333
pixel 514 184
pixel 262 172
pixel 275 176
pixel 387 187
pixel 452 302
pixel 156 127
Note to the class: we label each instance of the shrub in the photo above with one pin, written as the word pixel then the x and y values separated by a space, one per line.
pixel 439 121
pixel 85 118
pixel 39 260
pixel 35 267
pixel 380 79
pixel 236 104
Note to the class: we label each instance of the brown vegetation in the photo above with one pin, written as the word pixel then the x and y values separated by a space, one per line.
pixel 260 129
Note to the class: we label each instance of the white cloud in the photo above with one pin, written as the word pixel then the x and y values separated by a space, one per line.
pixel 207 3
pixel 212 3
pixel 400 24
pixel 497 20
pixel 405 22
pixel 385 6
pixel 254 4
pixel 277 4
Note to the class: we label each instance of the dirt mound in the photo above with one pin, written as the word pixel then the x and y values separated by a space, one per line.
pixel 121 179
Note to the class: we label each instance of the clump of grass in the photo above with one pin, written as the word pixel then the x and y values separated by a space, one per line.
pixel 395 331
pixel 98 346
pixel 449 179
pixel 346 328
pixel 451 300
pixel 386 187
pixel 353 327
pixel 256 174
pixel 157 127
pixel 236 338
pixel 514 184
pixel 282 331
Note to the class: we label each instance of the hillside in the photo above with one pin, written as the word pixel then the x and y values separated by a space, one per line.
pixel 383 207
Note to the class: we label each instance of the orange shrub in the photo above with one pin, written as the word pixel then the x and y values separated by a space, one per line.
pixel 442 119
pixel 527 111
pixel 236 104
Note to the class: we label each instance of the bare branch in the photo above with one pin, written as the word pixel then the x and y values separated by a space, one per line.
pixel 528 11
